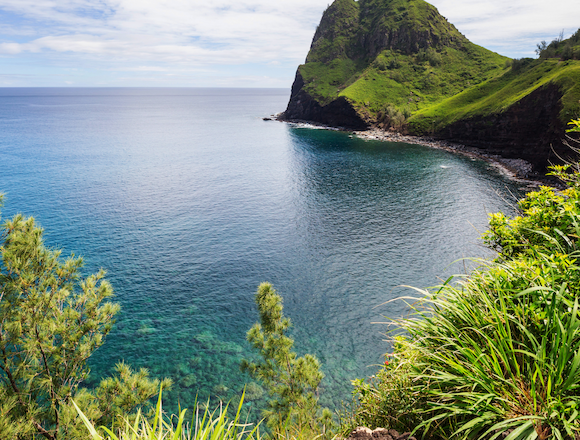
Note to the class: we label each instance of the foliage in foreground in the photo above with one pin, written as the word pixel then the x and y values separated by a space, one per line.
pixel 291 381
pixel 497 354
pixel 51 321
pixel 210 426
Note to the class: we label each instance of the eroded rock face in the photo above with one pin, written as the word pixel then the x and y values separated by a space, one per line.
pixel 530 129
pixel 338 113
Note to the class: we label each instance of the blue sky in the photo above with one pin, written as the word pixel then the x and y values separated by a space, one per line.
pixel 218 43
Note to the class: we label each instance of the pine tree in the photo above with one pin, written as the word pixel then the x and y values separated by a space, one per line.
pixel 51 321
pixel 291 381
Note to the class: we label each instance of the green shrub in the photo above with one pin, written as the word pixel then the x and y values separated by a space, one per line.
pixel 518 64
pixel 549 219
pixel 563 49
pixel 430 55
pixel 384 399
pixel 497 353
pixel 391 117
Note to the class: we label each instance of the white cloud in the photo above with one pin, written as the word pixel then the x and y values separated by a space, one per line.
pixel 164 36
pixel 11 48
pixel 179 31
pixel 512 27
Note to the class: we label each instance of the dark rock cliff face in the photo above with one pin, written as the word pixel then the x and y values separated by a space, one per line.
pixel 405 39
pixel 338 113
pixel 530 130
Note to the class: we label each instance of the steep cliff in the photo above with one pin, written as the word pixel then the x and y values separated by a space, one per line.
pixel 375 59
pixel 520 114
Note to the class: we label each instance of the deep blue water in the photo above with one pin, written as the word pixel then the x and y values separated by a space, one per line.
pixel 189 200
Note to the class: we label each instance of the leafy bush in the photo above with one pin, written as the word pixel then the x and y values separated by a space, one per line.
pixel 549 219
pixel 384 399
pixel 495 354
pixel 391 117
pixel 430 55
pixel 518 64
pixel 381 63
pixel 560 48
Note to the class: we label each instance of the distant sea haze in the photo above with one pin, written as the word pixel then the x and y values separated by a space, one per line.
pixel 189 200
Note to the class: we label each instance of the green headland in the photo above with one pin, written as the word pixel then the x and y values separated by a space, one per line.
pixel 400 65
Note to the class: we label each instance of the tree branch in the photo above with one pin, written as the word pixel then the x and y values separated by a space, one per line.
pixel 47 371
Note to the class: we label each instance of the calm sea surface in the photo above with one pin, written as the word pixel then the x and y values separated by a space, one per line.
pixel 189 200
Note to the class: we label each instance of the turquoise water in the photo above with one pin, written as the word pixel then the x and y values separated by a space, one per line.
pixel 189 200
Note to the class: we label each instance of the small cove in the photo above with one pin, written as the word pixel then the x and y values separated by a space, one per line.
pixel 189 200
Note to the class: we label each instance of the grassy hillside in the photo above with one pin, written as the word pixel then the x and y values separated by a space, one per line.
pixel 398 53
pixel 498 94
pixel 417 81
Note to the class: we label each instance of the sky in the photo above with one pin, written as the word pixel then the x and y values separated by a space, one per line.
pixel 219 43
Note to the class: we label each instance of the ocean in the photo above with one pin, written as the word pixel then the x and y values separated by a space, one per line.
pixel 189 200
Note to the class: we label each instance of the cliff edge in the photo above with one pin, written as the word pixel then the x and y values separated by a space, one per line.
pixel 399 65
pixel 375 62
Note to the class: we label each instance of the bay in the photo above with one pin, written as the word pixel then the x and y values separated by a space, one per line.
pixel 189 200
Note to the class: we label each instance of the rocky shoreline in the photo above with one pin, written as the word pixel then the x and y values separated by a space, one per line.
pixel 516 169
pixel 519 170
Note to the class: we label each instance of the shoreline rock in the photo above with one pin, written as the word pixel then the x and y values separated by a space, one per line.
pixel 518 170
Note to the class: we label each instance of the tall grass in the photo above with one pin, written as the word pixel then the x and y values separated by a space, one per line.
pixel 495 354
pixel 204 426
pixel 500 354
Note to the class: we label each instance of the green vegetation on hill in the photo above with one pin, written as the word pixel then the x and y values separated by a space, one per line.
pixel 401 65
pixel 415 82
pixel 498 94
pixel 399 53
